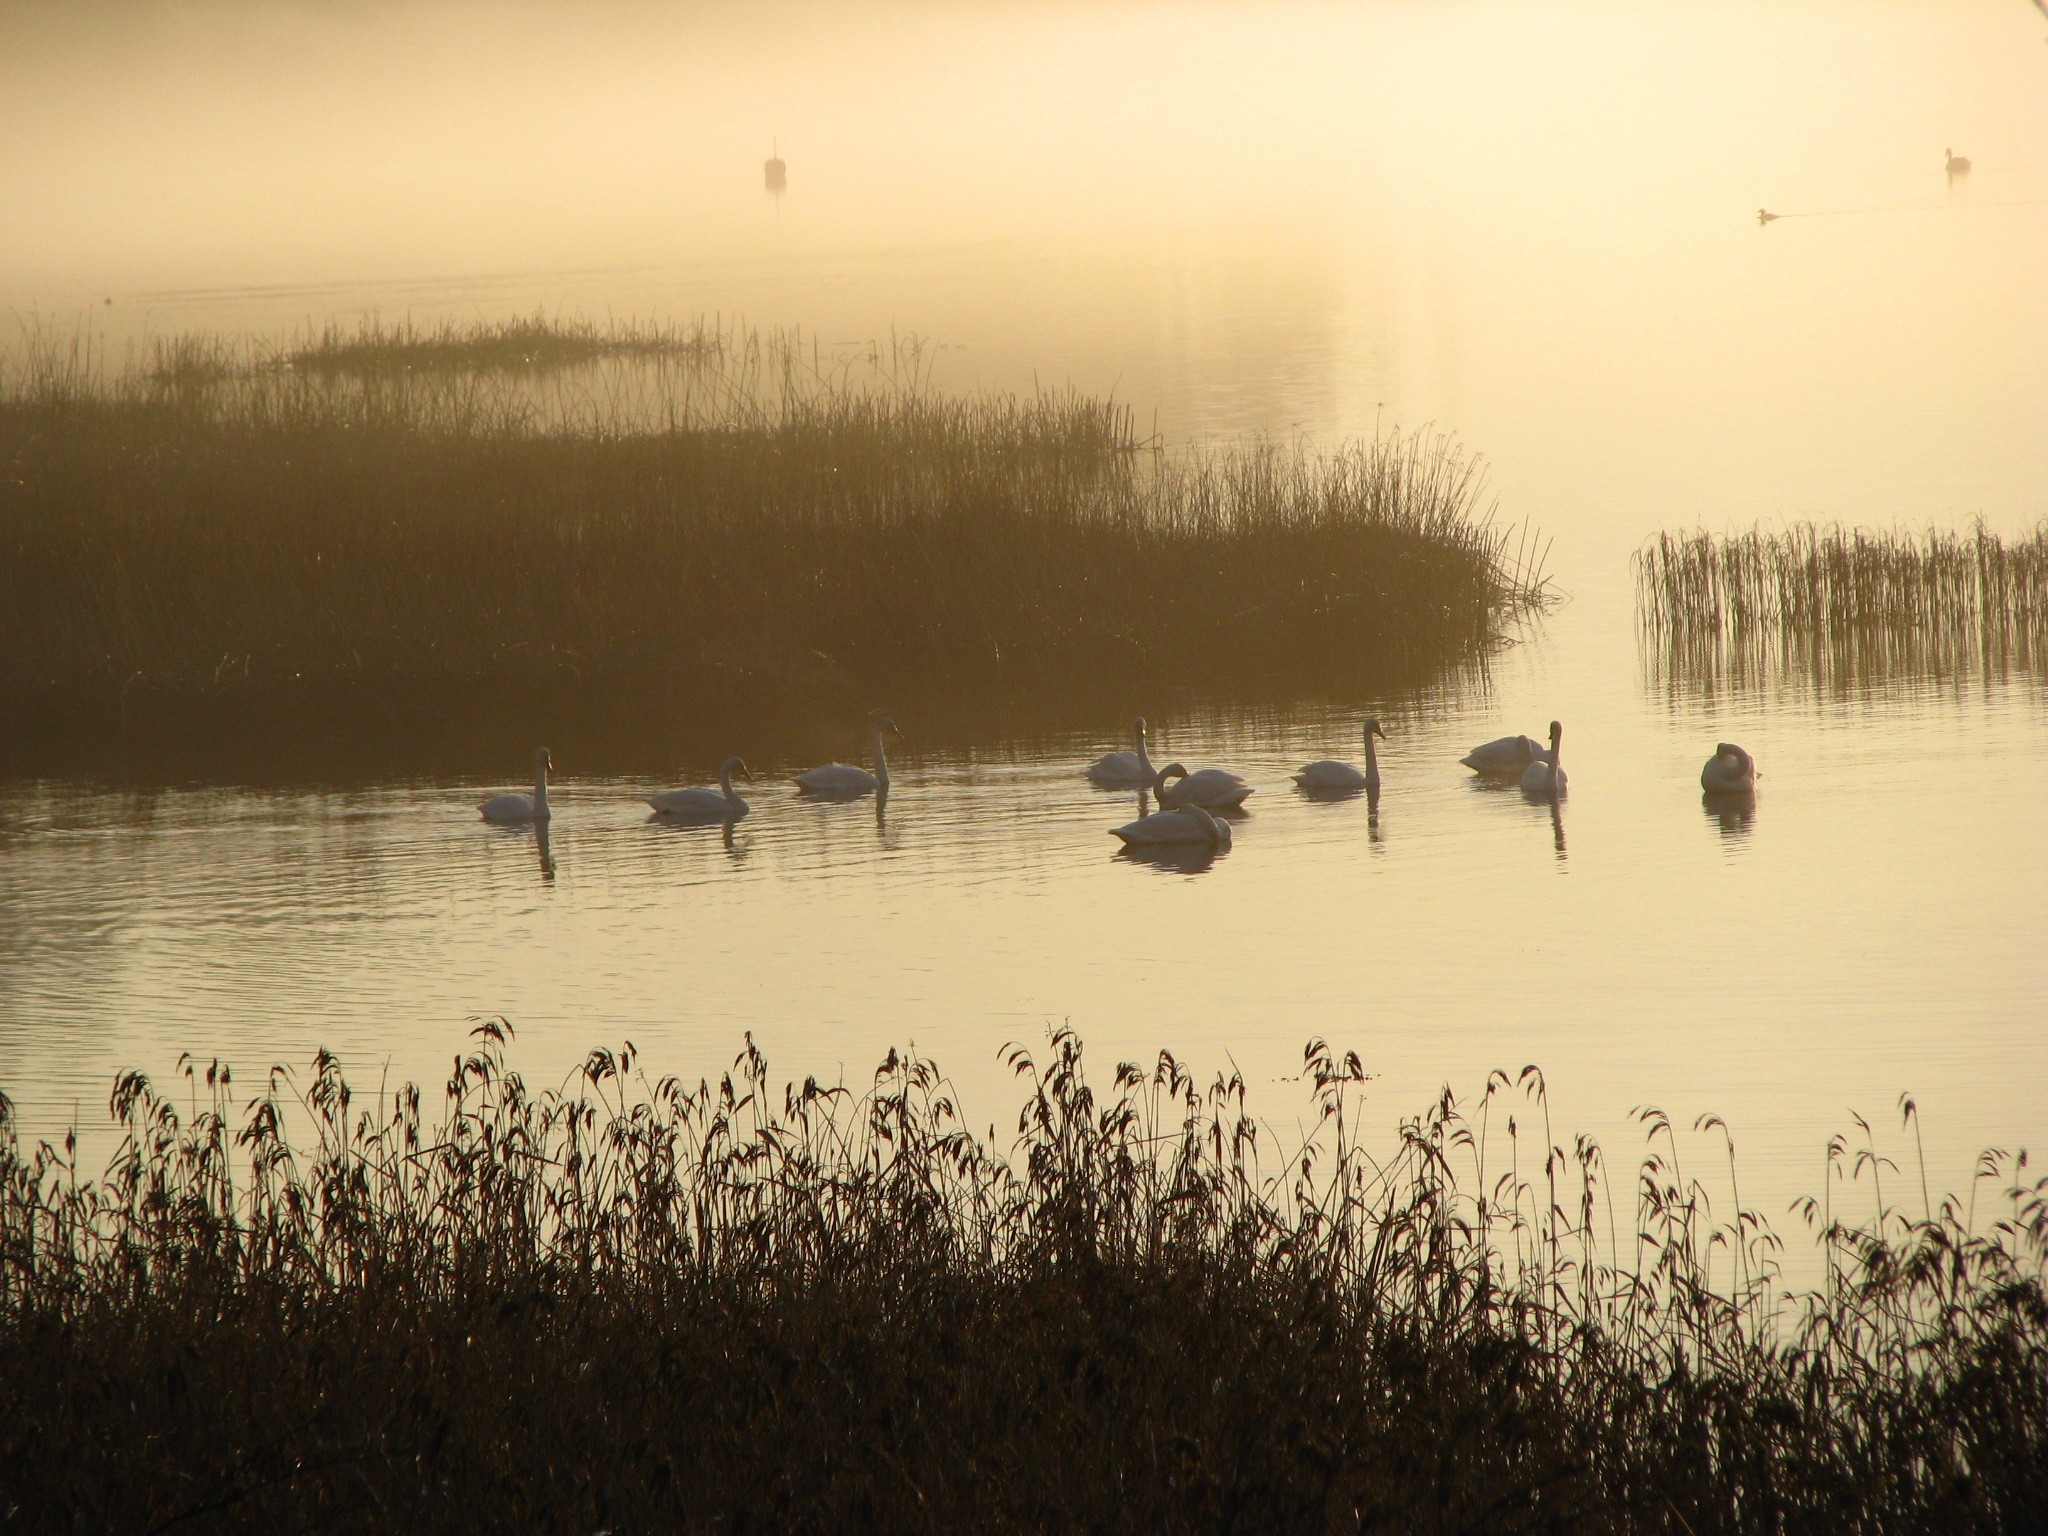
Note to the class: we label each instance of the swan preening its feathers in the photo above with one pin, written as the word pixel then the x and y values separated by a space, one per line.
pixel 719 804
pixel 1329 773
pixel 1545 774
pixel 1185 825
pixel 844 779
pixel 1730 771
pixel 1125 770
pixel 518 810
pixel 1214 789
pixel 1507 758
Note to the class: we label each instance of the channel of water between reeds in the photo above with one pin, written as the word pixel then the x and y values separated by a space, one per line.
pixel 639 1304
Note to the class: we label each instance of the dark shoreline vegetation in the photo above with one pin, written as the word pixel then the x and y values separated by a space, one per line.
pixel 738 520
pixel 637 1305
pixel 1839 611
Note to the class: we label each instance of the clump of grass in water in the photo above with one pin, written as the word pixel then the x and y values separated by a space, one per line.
pixel 1843 607
pixel 765 510
pixel 640 1305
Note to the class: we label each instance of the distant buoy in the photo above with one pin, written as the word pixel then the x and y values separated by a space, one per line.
pixel 775 173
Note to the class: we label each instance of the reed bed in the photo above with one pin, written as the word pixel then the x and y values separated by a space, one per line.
pixel 748 512
pixel 631 1304
pixel 1841 609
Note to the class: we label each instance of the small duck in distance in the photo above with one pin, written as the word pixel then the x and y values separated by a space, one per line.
pixel 1730 771
pixel 1504 758
pixel 1215 789
pixel 1329 773
pixel 844 780
pixel 1955 164
pixel 1125 770
pixel 1188 824
pixel 1545 776
pixel 1764 215
pixel 520 810
pixel 720 804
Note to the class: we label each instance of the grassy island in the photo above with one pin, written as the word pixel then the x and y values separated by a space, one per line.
pixel 369 522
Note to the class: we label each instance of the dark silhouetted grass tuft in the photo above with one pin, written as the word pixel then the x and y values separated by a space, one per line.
pixel 646 1305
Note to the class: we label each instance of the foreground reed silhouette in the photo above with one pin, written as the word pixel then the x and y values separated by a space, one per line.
pixel 636 1305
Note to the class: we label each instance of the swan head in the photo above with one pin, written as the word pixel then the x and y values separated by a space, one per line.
pixel 734 765
pixel 883 723
pixel 1171 770
pixel 541 761
pixel 1372 728
pixel 1219 831
pixel 1556 733
pixel 1138 725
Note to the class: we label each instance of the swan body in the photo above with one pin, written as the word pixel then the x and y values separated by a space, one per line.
pixel 720 804
pixel 520 810
pixel 1729 771
pixel 1956 165
pixel 1190 824
pixel 1328 773
pixel 1215 789
pixel 1507 758
pixel 1545 775
pixel 844 778
pixel 1125 769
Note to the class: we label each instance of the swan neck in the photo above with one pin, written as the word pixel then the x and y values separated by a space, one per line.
pixel 881 759
pixel 725 782
pixel 1372 762
pixel 1144 757
pixel 540 792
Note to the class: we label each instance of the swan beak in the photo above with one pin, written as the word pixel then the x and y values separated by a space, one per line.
pixel 1378 732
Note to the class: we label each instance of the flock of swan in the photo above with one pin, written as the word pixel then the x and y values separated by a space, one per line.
pixel 1188 802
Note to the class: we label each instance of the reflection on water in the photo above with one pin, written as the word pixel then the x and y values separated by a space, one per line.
pixel 1838 666
pixel 1734 811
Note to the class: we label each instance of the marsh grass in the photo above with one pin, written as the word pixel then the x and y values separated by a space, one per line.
pixel 637 1304
pixel 749 515
pixel 1841 611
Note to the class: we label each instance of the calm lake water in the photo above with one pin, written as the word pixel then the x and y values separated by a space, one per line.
pixel 1531 225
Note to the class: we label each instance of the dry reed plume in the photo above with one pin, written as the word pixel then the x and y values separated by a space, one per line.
pixel 638 1305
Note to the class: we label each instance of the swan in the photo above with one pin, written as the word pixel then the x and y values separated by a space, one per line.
pixel 1328 773
pixel 516 810
pixel 1216 789
pixel 1188 824
pixel 1506 758
pixel 1545 775
pixel 1125 769
pixel 844 779
pixel 1957 165
pixel 1729 771
pixel 719 804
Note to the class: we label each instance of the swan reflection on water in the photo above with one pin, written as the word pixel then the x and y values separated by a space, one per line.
pixel 1172 858
pixel 547 856
pixel 1734 810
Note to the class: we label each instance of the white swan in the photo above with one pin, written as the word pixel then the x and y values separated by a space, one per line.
pixel 843 778
pixel 1188 824
pixel 1505 758
pixel 1546 776
pixel 1125 769
pixel 1328 773
pixel 1215 789
pixel 516 810
pixel 719 804
pixel 1730 771
pixel 1956 165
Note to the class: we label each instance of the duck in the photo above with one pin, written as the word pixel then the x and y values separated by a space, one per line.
pixel 1955 164
pixel 1125 769
pixel 719 804
pixel 1328 773
pixel 1730 771
pixel 1215 789
pixel 520 810
pixel 1506 758
pixel 1545 775
pixel 845 779
pixel 1187 824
